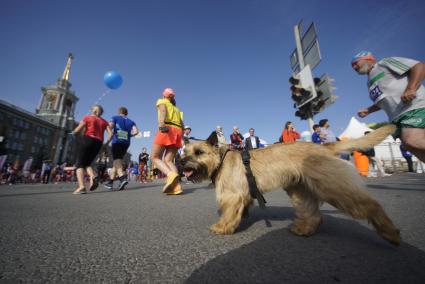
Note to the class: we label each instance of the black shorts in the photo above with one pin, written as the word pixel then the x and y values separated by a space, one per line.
pixel 119 150
pixel 88 149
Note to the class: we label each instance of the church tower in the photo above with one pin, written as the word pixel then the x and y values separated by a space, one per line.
pixel 57 103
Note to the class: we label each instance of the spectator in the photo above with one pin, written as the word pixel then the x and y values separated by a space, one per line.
pixel 102 164
pixel 408 156
pixel 316 137
pixel 395 85
pixel 217 137
pixel 252 142
pixel 370 154
pixel 327 135
pixel 143 162
pixel 289 134
pixel 46 169
pixel 186 134
pixel 236 139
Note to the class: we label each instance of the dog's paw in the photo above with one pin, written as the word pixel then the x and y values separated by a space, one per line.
pixel 302 231
pixel 220 229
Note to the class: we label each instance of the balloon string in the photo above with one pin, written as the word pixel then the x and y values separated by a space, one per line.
pixel 100 98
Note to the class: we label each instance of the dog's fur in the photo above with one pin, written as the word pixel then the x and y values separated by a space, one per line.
pixel 310 174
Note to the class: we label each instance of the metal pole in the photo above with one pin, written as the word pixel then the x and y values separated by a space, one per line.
pixel 300 55
pixel 298 45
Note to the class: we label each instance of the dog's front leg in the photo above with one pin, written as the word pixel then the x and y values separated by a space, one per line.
pixel 231 207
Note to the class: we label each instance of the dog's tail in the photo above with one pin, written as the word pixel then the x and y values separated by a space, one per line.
pixel 365 142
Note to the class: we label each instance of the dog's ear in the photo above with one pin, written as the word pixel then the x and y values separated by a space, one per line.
pixel 212 139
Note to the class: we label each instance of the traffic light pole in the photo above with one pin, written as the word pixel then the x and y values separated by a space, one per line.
pixel 300 55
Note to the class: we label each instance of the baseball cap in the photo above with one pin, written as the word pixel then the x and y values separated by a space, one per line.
pixel 168 93
pixel 364 55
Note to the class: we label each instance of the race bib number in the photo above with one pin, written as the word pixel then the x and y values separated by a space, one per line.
pixel 122 135
pixel 375 93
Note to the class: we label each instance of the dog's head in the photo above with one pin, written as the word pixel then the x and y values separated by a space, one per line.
pixel 200 161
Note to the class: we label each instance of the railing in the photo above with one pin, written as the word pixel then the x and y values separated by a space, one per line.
pixel 392 159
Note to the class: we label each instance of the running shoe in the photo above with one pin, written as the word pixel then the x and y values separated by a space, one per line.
pixel 109 184
pixel 177 190
pixel 123 183
pixel 172 178
pixel 95 184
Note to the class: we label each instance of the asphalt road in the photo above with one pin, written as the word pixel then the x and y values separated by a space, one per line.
pixel 139 235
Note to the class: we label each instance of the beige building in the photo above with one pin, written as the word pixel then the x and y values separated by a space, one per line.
pixel 45 134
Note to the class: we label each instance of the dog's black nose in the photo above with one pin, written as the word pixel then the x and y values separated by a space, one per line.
pixel 183 161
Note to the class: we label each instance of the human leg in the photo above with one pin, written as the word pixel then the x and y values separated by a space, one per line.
pixel 414 141
pixel 409 164
pixel 157 153
pixel 80 179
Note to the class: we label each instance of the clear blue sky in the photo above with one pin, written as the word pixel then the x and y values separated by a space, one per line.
pixel 228 61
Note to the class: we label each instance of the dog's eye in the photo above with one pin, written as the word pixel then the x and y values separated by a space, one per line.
pixel 199 152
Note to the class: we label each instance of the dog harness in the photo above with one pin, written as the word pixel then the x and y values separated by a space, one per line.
pixel 215 173
pixel 252 184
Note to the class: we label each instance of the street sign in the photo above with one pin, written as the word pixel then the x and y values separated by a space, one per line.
pixel 310 50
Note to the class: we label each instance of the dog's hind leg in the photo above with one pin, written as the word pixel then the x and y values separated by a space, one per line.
pixel 232 208
pixel 307 212
pixel 348 196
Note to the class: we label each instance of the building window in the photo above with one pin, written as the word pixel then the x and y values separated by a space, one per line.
pixel 23 135
pixel 33 149
pixel 16 134
pixel 21 146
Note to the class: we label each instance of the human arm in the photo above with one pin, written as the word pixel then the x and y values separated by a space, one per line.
pixel 366 111
pixel 162 115
pixel 415 79
pixel 80 126
pixel 110 134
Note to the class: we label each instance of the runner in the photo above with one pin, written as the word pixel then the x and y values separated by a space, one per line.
pixel 94 128
pixel 168 140
pixel 123 128
pixel 395 85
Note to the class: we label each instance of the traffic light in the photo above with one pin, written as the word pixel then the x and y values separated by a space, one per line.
pixel 302 112
pixel 298 92
pixel 325 95
pixel 302 87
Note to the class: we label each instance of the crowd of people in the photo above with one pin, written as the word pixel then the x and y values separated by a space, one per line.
pixel 395 85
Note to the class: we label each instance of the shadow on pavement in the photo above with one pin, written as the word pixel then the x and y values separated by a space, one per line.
pixel 340 251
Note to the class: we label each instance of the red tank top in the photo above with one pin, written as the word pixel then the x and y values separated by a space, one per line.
pixel 95 126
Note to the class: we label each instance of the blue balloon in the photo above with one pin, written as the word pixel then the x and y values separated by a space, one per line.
pixel 113 80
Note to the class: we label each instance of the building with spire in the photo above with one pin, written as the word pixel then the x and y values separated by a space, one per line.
pixel 43 135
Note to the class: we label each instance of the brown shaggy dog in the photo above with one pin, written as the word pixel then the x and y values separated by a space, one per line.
pixel 310 174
